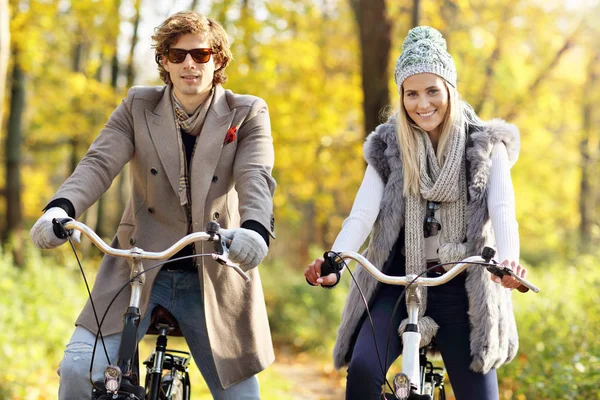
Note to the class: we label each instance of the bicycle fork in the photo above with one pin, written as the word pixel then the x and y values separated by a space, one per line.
pixel 407 383
pixel 124 374
pixel 155 371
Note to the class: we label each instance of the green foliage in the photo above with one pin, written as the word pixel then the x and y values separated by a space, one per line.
pixel 38 307
pixel 301 317
pixel 303 58
pixel 559 351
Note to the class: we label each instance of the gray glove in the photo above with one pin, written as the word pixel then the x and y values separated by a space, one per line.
pixel 248 248
pixel 42 232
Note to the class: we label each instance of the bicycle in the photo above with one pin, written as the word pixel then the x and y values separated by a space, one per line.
pixel 167 375
pixel 418 379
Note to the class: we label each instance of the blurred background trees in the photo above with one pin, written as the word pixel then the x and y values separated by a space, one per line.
pixel 325 69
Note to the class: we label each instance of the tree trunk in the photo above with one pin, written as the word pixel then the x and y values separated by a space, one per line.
pixel 587 195
pixel 416 13
pixel 4 54
pixel 74 141
pixel 14 216
pixel 492 62
pixel 122 189
pixel 374 31
pixel 101 225
pixel 100 214
pixel 134 41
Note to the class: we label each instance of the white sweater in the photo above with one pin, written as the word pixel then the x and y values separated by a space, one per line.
pixel 500 203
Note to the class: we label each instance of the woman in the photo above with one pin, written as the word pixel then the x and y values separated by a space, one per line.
pixel 436 176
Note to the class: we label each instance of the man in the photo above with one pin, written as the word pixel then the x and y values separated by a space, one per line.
pixel 198 153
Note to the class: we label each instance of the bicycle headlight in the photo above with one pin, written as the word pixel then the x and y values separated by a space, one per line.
pixel 112 378
pixel 401 386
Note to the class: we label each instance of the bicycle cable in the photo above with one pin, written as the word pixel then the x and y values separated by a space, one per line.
pixel 160 264
pixel 403 295
pixel 90 297
pixel 364 299
pixel 99 323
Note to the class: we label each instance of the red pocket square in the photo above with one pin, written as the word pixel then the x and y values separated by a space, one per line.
pixel 230 136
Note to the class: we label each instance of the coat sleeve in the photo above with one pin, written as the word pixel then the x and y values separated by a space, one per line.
pixel 253 166
pixel 105 158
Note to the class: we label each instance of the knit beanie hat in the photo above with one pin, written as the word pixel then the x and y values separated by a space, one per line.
pixel 424 50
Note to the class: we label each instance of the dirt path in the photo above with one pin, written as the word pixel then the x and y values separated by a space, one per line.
pixel 310 379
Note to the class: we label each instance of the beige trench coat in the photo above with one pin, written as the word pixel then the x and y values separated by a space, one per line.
pixel 230 184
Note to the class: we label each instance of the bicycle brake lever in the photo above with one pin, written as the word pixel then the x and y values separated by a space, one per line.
pixel 498 271
pixel 59 229
pixel 222 245
pixel 502 271
pixel 226 262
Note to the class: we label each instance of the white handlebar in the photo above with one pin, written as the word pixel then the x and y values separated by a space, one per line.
pixel 405 280
pixel 421 280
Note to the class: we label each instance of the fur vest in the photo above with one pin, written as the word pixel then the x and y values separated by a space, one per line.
pixel 494 339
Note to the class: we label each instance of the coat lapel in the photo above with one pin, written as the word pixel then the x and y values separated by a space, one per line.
pixel 163 130
pixel 208 150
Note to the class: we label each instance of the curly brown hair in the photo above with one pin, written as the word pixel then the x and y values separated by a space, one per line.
pixel 190 22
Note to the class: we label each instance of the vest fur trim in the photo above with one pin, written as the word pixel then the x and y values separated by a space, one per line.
pixel 494 338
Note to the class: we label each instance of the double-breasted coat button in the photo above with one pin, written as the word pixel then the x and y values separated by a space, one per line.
pixel 215 179
pixel 154 171
pixel 151 210
pixel 132 241
pixel 216 215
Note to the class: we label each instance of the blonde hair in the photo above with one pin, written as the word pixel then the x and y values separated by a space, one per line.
pixel 407 132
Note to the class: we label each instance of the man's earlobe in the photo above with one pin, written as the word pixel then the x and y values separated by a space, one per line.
pixel 218 62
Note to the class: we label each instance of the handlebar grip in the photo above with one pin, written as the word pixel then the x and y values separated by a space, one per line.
pixel 526 285
pixel 523 289
pixel 501 271
pixel 332 263
pixel 212 228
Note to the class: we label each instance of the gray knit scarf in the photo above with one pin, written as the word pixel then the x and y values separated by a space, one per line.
pixel 444 184
pixel 192 125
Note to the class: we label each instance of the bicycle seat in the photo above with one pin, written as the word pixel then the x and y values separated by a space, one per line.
pixel 161 316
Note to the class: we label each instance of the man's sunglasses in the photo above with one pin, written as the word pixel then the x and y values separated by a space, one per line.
pixel 177 56
pixel 431 226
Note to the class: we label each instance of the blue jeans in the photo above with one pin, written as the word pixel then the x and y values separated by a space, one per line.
pixel 447 305
pixel 178 292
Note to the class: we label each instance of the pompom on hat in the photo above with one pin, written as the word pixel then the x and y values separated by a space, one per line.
pixel 424 51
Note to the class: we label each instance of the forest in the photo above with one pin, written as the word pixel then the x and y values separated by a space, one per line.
pixel 325 69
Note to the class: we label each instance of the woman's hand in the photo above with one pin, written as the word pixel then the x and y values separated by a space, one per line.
pixel 508 281
pixel 313 274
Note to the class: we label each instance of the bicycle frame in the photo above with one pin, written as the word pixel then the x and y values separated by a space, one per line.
pixel 123 374
pixel 177 363
pixel 409 380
